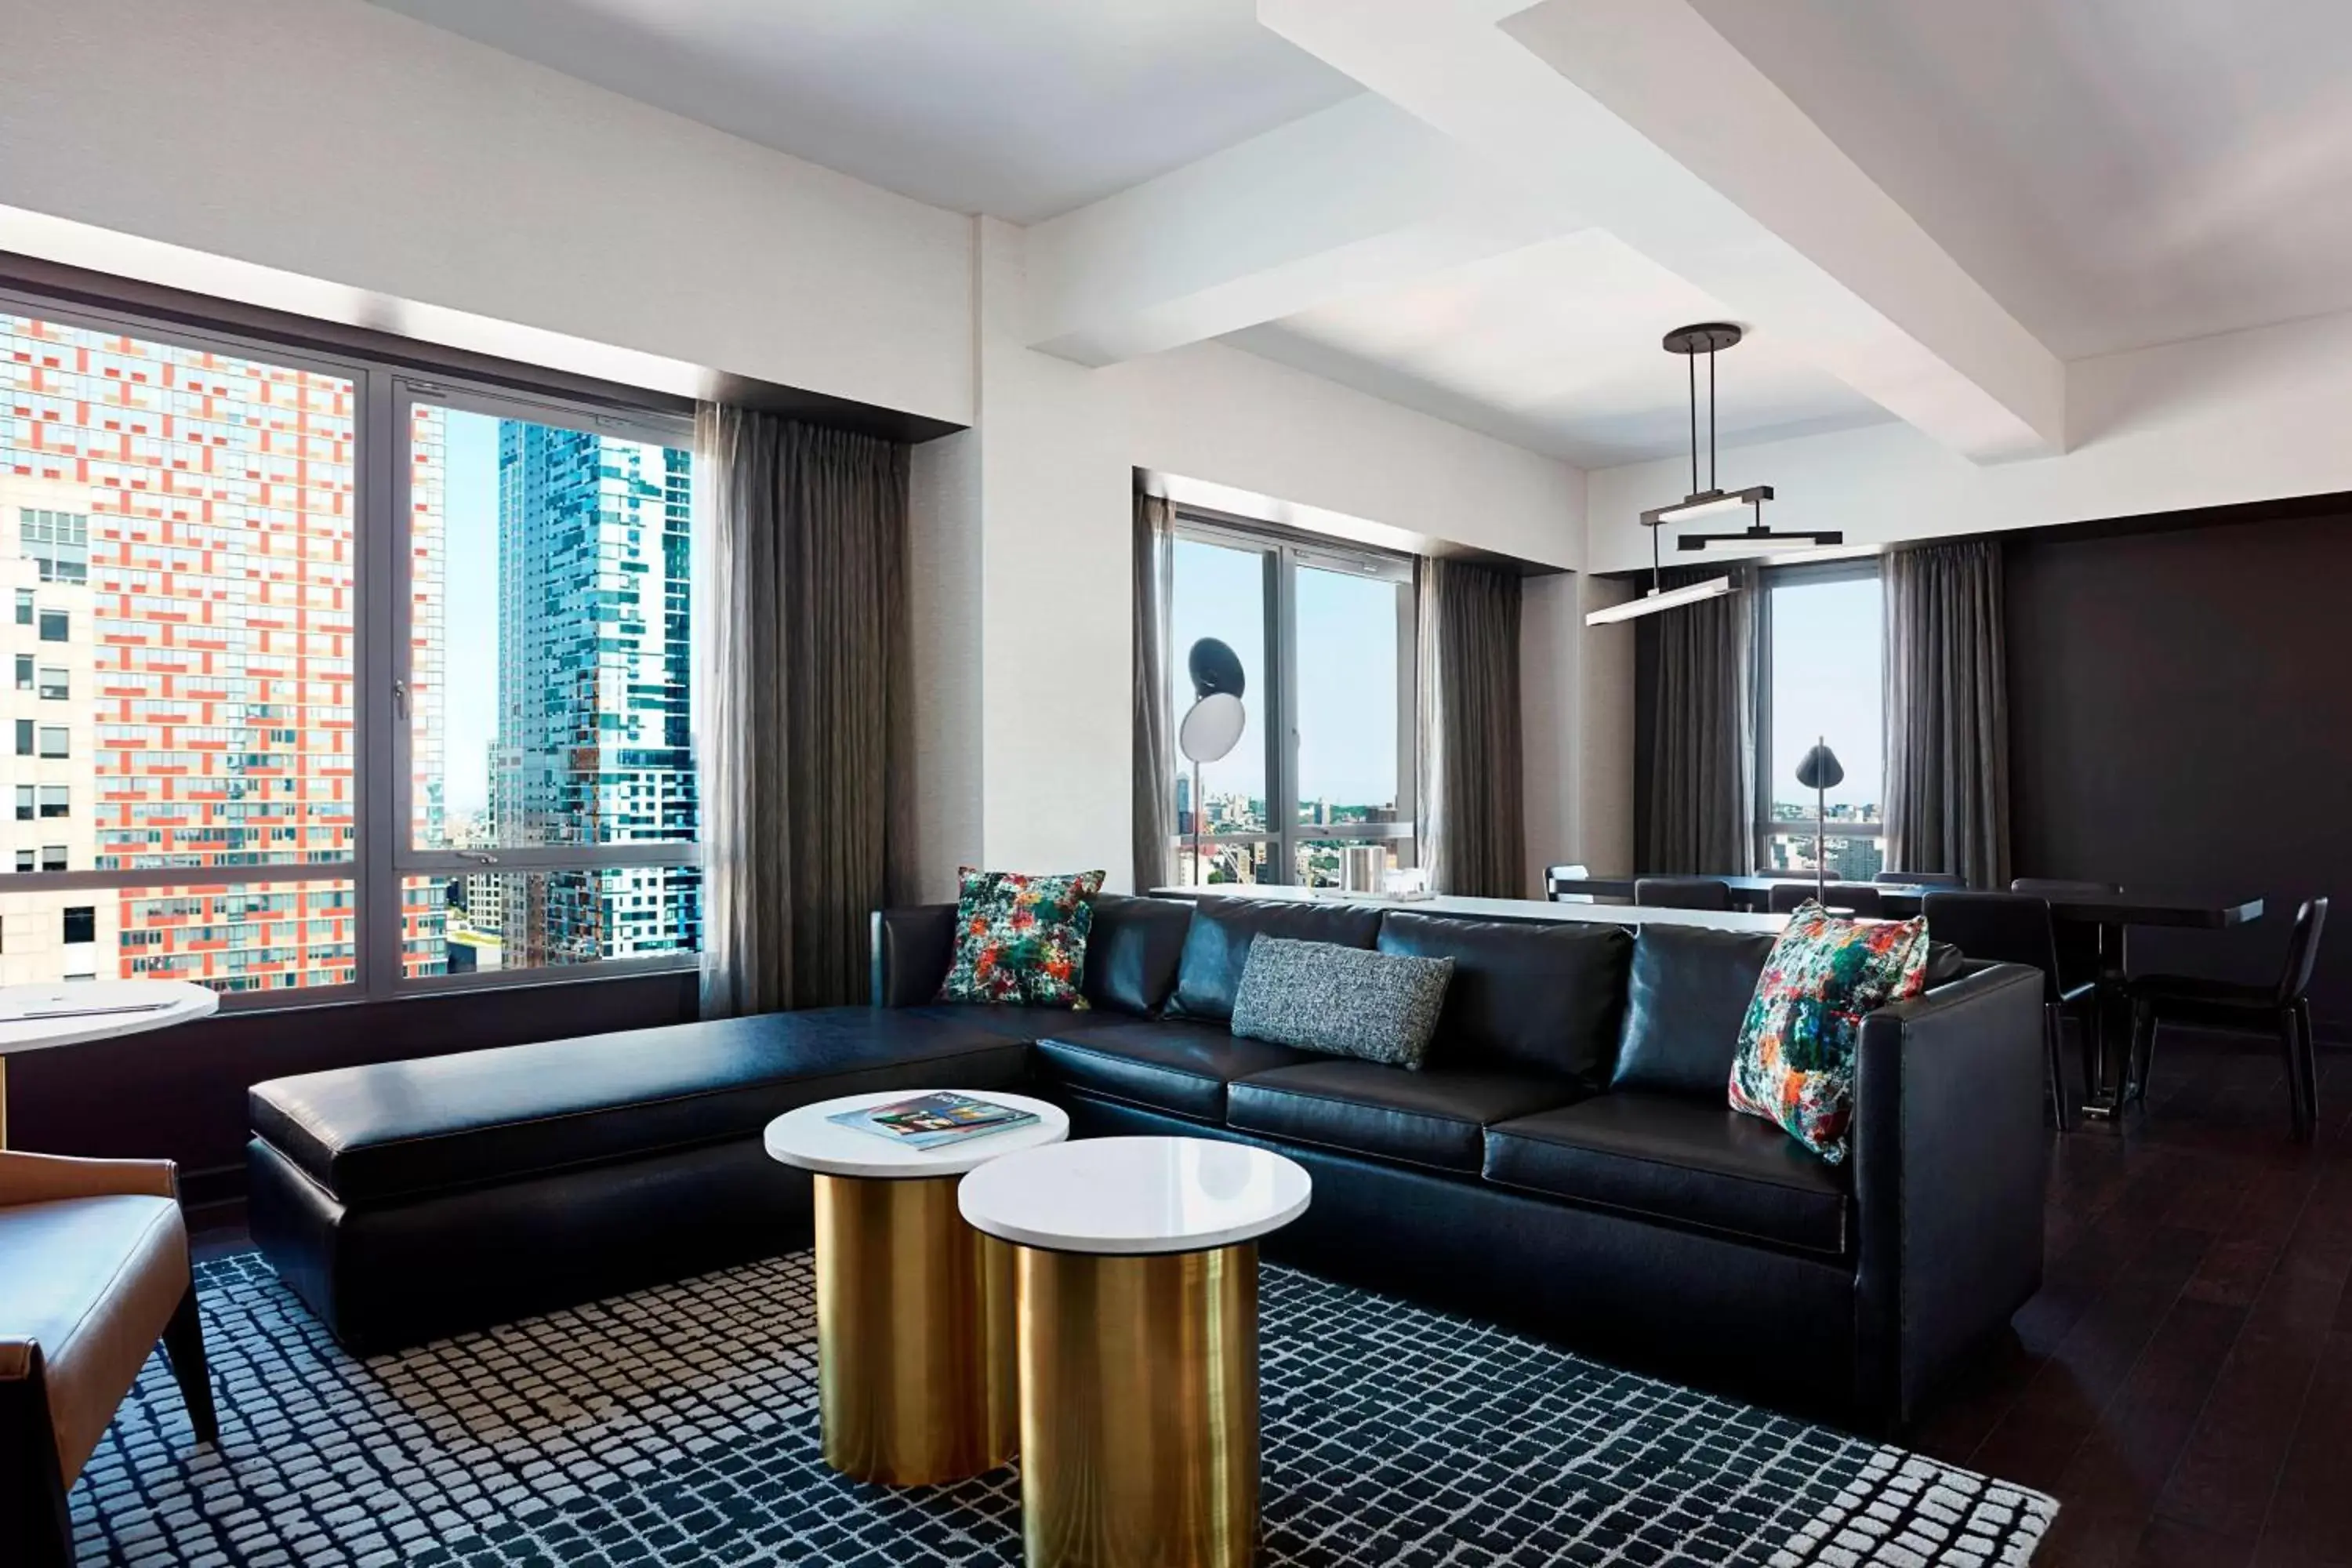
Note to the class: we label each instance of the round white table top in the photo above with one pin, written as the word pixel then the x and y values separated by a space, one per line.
pixel 37 1017
pixel 807 1139
pixel 1135 1195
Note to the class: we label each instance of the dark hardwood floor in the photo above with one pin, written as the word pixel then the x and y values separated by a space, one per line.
pixel 2183 1383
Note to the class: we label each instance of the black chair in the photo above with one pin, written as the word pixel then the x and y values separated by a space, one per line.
pixel 1683 892
pixel 2078 944
pixel 2285 1008
pixel 2016 928
pixel 1951 879
pixel 1860 897
pixel 1555 875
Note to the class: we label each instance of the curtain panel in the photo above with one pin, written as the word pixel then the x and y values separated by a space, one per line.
pixel 1155 751
pixel 1702 764
pixel 1947 683
pixel 1474 821
pixel 803 704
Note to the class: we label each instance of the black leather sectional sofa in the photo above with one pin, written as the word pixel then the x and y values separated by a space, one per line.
pixel 1565 1164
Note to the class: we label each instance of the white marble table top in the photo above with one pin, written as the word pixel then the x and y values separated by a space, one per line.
pixel 805 1138
pixel 37 1016
pixel 1135 1195
pixel 1537 910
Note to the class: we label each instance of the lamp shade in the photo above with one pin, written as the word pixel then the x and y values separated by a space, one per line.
pixel 1819 769
pixel 1215 667
pixel 1211 727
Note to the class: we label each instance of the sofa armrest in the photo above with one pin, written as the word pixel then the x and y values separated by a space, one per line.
pixel 44 1178
pixel 912 950
pixel 1950 1166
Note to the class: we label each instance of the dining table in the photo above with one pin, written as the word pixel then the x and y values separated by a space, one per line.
pixel 2111 912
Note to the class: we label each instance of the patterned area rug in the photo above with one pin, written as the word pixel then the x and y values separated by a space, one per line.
pixel 678 1426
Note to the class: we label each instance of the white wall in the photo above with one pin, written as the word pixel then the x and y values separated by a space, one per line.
pixel 2250 416
pixel 346 143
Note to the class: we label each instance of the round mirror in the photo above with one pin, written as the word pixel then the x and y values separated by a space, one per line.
pixel 1211 727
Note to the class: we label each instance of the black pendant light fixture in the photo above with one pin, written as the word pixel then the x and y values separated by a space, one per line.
pixel 1709 339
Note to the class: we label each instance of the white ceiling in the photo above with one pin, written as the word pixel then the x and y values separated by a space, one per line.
pixel 1022 109
pixel 2118 173
pixel 1555 347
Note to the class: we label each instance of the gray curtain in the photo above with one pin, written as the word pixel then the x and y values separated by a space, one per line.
pixel 1473 834
pixel 1947 713
pixel 1155 752
pixel 803 706
pixel 1702 764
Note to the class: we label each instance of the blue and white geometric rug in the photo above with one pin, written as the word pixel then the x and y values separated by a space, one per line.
pixel 679 1427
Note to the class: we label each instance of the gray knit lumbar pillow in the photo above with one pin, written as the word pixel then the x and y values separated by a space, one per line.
pixel 1347 1001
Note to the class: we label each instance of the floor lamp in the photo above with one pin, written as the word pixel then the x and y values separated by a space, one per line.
pixel 1821 773
pixel 1212 726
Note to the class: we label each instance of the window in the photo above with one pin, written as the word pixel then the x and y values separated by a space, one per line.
pixel 23 802
pixel 80 924
pixel 1326 759
pixel 518 582
pixel 1822 683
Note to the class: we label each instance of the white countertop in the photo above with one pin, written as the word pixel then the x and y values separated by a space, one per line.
pixel 807 1139
pixel 35 1017
pixel 1492 909
pixel 1135 1195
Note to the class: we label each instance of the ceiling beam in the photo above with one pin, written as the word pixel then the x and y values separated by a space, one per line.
pixel 1357 199
pixel 1642 120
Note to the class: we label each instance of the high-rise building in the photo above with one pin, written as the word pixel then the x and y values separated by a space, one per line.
pixel 176 541
pixel 593 742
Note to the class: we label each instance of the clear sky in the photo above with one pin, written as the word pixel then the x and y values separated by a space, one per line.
pixel 470 692
pixel 1826 640
pixel 1347 672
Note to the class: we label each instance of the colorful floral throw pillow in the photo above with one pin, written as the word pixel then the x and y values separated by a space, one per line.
pixel 1022 939
pixel 1795 1062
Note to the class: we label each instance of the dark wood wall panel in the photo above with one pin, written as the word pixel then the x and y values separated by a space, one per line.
pixel 180 1093
pixel 2180 715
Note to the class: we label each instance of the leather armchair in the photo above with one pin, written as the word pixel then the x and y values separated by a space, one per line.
pixel 93 1270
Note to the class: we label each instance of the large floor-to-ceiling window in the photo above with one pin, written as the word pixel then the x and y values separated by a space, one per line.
pixel 334 681
pixel 1324 634
pixel 1823 683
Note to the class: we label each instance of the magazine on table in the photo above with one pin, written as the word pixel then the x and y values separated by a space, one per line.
pixel 929 1121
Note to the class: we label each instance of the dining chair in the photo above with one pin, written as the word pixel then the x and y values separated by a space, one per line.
pixel 1682 892
pixel 1860 897
pixel 93 1270
pixel 1555 875
pixel 2016 928
pixel 2285 1008
pixel 1948 879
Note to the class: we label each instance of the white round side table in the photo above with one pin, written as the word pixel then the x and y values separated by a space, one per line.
pixel 1136 1280
pixel 914 1308
pixel 38 1017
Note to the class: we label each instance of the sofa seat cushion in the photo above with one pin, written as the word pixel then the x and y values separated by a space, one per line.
pixel 399 1129
pixel 92 1281
pixel 1669 1157
pixel 1172 1065
pixel 1437 1117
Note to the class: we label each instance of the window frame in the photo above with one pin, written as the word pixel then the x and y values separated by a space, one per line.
pixel 1764 829
pixel 376 868
pixel 1284 551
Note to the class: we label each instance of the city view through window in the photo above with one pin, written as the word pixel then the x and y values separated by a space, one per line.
pixel 179 543
pixel 1349 775
pixel 1825 685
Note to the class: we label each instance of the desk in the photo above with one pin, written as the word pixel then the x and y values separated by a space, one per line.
pixel 36 1017
pixel 1533 909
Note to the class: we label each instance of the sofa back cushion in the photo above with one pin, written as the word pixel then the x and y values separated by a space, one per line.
pixel 1537 998
pixel 1133 951
pixel 1683 1006
pixel 1216 948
